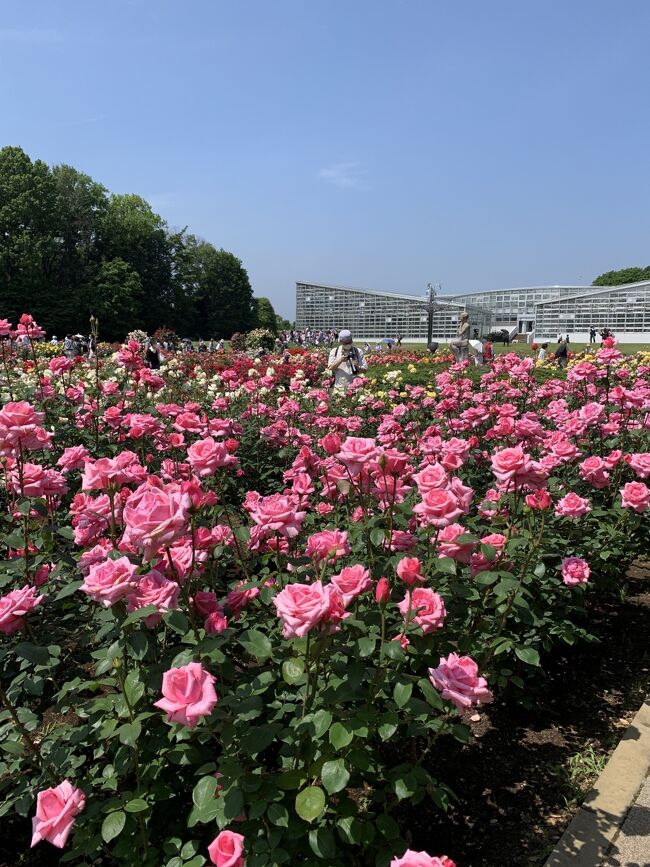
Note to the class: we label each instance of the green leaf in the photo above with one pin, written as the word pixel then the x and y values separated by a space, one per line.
pixel 137 805
pixel 310 803
pixel 278 815
pixel 129 733
pixel 204 792
pixel 293 671
pixel 68 589
pixel 528 655
pixel 322 844
pixel 388 726
pixel 405 786
pixel 366 646
pixel 402 693
pixel 256 643
pixel 334 776
pixel 112 825
pixel 446 565
pixel 291 780
pixel 377 537
pixel 340 736
pixel 139 614
pixel 431 695
pixel 177 621
pixel 33 653
pixel 321 722
pixel 133 687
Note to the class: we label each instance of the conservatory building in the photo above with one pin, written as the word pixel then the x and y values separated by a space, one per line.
pixel 372 315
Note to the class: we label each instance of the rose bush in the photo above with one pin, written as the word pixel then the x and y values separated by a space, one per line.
pixel 240 615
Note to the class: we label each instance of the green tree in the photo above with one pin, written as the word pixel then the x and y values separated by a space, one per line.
pixel 222 300
pixel 115 298
pixel 81 204
pixel 265 315
pixel 28 244
pixel 131 231
pixel 625 275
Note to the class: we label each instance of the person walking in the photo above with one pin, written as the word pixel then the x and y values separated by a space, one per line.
pixel 562 353
pixel 542 355
pixel 346 361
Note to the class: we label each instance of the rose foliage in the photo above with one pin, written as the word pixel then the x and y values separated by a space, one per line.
pixel 241 616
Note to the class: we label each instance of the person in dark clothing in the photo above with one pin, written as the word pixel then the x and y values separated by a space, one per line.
pixel 152 355
pixel 562 353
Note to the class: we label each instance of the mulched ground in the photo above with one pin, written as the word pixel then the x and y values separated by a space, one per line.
pixel 522 779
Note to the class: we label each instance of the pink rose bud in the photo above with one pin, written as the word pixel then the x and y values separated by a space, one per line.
pixel 382 591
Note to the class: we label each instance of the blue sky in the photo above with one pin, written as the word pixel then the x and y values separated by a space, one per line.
pixel 377 143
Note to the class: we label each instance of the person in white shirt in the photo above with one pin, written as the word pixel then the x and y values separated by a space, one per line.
pixel 542 354
pixel 346 361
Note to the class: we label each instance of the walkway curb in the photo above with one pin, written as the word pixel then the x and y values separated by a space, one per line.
pixel 586 841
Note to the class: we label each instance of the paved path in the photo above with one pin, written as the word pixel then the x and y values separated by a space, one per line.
pixel 631 848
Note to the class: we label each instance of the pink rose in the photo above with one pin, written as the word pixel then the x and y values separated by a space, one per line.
pixel 301 607
pixel 327 545
pixel 448 546
pixel 409 570
pixel 238 599
pixel 351 582
pixel 205 456
pixel 227 850
pixel 640 463
pixel 330 443
pixel 510 463
pixel 575 570
pixel 431 477
pixel 155 517
pixel 56 809
pixel 636 496
pixel 216 622
pixel 188 694
pixel 15 606
pixel 357 451
pixel 421 859
pixel 458 680
pixel 438 507
pixel 153 589
pixel 73 458
pixel 205 602
pixel 110 581
pixel 277 514
pixel 593 470
pixel 572 506
pixel 427 609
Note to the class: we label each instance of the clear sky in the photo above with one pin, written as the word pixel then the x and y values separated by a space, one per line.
pixel 375 143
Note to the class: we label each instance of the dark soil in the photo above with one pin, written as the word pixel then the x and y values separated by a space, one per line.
pixel 522 780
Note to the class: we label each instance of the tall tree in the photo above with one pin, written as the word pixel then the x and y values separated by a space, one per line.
pixel 224 300
pixel 81 205
pixel 115 298
pixel 131 231
pixel 28 242
pixel 265 315
pixel 625 275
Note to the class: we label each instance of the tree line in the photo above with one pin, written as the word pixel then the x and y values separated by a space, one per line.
pixel 624 275
pixel 69 248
